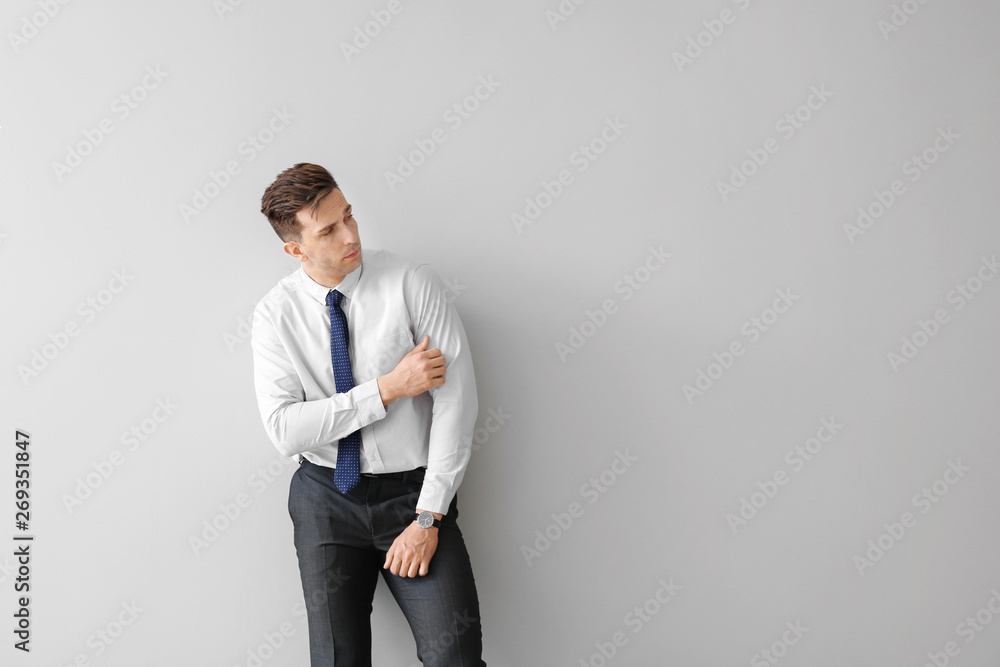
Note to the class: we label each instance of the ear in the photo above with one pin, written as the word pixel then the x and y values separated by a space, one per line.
pixel 296 251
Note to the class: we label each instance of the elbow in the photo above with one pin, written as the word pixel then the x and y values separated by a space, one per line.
pixel 284 448
pixel 279 436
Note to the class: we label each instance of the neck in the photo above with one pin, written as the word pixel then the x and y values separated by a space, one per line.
pixel 324 279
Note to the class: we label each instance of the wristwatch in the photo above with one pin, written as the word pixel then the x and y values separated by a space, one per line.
pixel 426 520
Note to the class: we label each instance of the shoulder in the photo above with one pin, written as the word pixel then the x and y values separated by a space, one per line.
pixel 278 297
pixel 388 260
pixel 387 265
pixel 387 270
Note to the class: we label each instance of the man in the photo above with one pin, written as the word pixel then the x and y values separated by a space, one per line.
pixel 363 373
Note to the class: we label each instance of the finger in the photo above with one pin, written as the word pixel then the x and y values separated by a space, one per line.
pixel 421 346
pixel 397 564
pixel 388 555
pixel 434 364
pixel 424 568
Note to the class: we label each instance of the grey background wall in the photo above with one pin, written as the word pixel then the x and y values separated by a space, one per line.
pixel 727 269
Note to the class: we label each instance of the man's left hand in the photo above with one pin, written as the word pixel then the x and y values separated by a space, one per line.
pixel 412 550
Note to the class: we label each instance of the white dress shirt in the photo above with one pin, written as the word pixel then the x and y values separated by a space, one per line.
pixel 390 303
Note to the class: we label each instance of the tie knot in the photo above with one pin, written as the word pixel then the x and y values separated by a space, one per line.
pixel 333 298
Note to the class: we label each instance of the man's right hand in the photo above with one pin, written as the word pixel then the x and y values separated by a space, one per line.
pixel 420 370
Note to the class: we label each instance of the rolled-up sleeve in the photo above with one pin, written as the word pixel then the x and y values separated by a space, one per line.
pixel 456 403
pixel 294 424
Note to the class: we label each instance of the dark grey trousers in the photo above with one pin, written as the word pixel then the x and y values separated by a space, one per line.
pixel 341 541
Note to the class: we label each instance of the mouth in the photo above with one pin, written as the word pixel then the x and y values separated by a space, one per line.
pixel 353 254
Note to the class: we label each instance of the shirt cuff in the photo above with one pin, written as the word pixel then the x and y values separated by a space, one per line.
pixel 368 402
pixel 434 497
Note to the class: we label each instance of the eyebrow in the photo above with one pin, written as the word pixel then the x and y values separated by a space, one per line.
pixel 322 230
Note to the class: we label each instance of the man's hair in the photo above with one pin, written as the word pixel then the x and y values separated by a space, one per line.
pixel 303 185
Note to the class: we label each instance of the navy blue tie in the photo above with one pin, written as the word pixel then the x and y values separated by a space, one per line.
pixel 349 448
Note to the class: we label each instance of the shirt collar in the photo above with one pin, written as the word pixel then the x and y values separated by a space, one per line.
pixel 319 292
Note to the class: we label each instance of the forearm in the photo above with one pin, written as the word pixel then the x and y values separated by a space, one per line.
pixel 450 442
pixel 298 426
pixel 455 403
pixel 388 390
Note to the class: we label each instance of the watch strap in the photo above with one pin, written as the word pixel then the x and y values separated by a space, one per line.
pixel 435 522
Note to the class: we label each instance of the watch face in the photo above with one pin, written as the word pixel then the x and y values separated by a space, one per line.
pixel 425 519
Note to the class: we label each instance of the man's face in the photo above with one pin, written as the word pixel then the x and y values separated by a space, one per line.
pixel 330 244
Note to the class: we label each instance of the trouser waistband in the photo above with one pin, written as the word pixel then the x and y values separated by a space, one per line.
pixel 415 475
